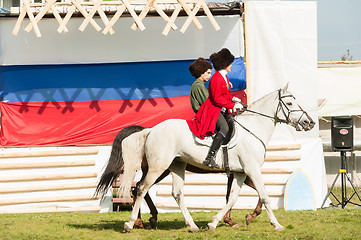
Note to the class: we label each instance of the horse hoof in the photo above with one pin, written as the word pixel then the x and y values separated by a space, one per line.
pixel 236 225
pixel 249 218
pixel 152 222
pixel 127 227
pixel 211 227
pixel 279 228
pixel 194 229
pixel 230 222
pixel 139 223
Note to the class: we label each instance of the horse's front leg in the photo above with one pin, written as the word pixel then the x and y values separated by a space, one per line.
pixel 255 174
pixel 178 170
pixel 235 189
pixel 257 211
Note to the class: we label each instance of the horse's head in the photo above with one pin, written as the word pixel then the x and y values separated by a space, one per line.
pixel 290 112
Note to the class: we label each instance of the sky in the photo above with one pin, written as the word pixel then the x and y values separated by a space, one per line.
pixel 338 28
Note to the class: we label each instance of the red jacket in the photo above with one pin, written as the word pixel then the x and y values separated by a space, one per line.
pixel 206 118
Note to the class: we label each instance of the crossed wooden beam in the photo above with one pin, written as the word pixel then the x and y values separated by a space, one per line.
pixel 191 7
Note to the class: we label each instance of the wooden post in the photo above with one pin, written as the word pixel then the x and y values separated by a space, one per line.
pixel 191 16
pixel 37 188
pixel 163 15
pixel 46 164
pixel 40 15
pixel 172 19
pixel 32 18
pixel 248 57
pixel 90 15
pixel 189 11
pixel 105 20
pixel 134 15
pixel 58 18
pixel 47 177
pixel 47 199
pixel 85 14
pixel 66 19
pixel 210 16
pixel 79 5
pixel 70 152
pixel 143 13
pixel 114 19
pixel 19 22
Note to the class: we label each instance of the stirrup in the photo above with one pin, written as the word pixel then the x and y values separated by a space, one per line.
pixel 209 162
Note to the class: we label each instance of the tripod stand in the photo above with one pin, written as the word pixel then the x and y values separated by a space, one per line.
pixel 344 177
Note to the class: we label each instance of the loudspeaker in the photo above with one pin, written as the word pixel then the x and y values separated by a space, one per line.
pixel 342 133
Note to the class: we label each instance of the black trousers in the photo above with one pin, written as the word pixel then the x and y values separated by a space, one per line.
pixel 222 124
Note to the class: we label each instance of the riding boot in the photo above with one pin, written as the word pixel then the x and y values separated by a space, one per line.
pixel 211 156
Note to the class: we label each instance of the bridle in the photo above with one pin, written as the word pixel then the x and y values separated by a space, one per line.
pixel 286 111
pixel 282 107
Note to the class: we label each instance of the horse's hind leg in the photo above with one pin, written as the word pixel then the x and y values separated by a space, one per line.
pixel 235 189
pixel 177 170
pixel 257 211
pixel 227 218
pixel 153 210
pixel 142 190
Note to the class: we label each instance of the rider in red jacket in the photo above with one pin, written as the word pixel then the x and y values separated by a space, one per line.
pixel 212 116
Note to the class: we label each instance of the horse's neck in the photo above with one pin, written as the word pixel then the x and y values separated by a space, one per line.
pixel 261 126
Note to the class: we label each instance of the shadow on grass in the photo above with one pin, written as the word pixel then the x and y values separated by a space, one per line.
pixel 117 225
pixel 101 225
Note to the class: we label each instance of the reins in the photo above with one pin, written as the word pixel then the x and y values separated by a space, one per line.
pixel 264 115
pixel 249 131
pixel 281 107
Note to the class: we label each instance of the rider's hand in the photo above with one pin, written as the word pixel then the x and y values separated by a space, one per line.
pixel 237 107
pixel 245 106
pixel 236 100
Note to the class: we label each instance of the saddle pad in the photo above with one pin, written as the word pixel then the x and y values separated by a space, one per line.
pixel 207 141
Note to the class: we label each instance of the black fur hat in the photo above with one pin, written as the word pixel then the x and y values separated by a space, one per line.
pixel 199 66
pixel 221 59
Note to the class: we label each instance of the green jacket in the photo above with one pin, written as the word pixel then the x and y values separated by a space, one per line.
pixel 198 94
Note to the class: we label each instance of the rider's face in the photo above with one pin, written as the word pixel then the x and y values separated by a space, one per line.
pixel 206 75
pixel 228 69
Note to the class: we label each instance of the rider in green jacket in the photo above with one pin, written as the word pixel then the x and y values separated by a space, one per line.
pixel 201 69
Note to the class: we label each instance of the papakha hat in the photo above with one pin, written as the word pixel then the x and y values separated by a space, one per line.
pixel 221 59
pixel 199 66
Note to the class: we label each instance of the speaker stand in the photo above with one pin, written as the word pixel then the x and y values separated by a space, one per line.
pixel 344 177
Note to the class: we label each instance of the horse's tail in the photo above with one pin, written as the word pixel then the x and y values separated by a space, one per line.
pixel 133 154
pixel 116 161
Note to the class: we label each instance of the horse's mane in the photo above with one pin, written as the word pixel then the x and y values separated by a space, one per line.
pixel 257 102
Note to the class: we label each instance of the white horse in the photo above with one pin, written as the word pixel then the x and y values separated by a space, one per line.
pixel 171 144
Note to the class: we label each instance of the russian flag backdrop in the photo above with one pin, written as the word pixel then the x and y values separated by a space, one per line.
pixel 58 92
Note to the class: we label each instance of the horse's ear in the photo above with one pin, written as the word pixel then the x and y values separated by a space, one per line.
pixel 285 88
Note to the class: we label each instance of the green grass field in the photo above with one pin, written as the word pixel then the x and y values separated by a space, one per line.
pixel 330 223
pixel 320 224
